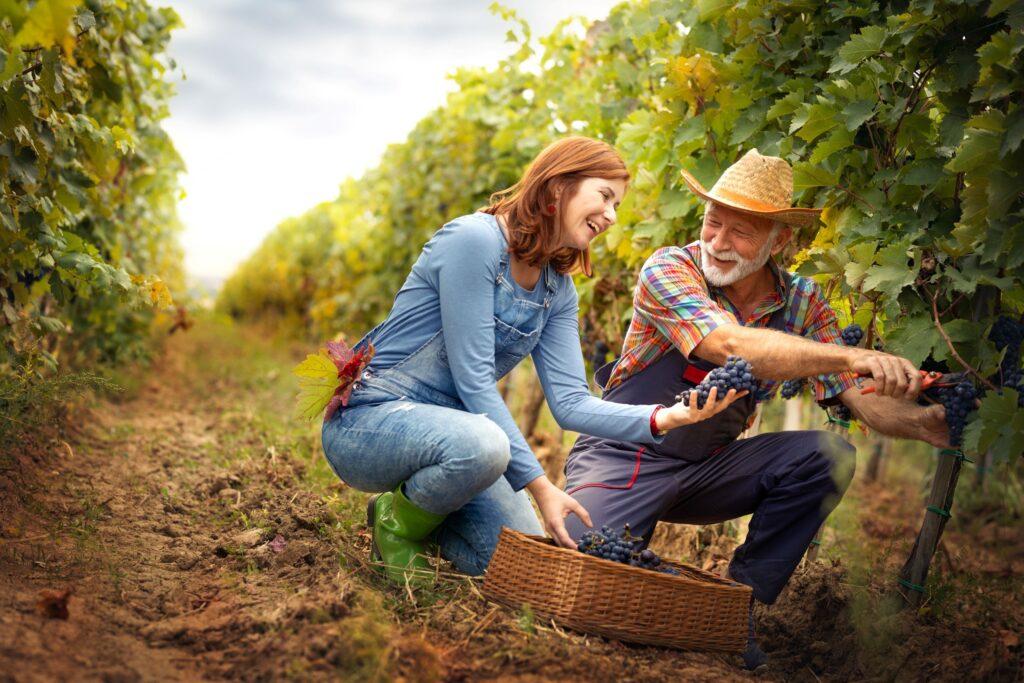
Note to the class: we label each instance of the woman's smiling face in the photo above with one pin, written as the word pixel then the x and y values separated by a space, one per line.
pixel 591 210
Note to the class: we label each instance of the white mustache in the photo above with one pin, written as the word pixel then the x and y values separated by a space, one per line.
pixel 722 255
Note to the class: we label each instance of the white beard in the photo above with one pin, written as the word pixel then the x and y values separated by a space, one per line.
pixel 744 267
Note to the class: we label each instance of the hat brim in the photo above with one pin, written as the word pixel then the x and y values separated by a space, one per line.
pixel 795 216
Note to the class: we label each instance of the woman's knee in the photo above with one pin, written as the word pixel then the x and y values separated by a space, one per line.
pixel 482 447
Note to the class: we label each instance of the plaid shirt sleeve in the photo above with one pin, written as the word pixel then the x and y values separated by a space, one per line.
pixel 820 325
pixel 671 296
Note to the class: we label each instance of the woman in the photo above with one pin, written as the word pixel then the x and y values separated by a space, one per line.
pixel 426 424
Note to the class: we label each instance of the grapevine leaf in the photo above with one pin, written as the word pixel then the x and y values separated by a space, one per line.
pixel 998 426
pixel 891 272
pixel 1014 133
pixel 859 47
pixel 856 113
pixel 820 119
pixel 979 147
pixel 913 338
pixel 809 175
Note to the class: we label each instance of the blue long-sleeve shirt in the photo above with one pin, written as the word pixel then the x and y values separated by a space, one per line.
pixel 451 288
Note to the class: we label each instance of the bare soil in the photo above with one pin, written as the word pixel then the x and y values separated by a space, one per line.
pixel 191 531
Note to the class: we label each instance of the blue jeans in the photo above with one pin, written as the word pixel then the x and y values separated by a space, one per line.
pixel 451 461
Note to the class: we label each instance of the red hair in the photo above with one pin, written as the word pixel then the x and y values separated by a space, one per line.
pixel 553 178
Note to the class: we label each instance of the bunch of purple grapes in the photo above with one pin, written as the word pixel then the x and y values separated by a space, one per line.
pixel 793 387
pixel 623 547
pixel 852 334
pixel 958 400
pixel 736 374
pixel 1008 334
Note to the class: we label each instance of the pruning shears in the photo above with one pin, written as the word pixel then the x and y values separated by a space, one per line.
pixel 930 380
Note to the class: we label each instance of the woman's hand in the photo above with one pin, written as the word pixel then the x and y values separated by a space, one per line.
pixel 680 414
pixel 555 505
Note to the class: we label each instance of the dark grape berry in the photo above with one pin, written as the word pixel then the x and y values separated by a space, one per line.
pixel 792 387
pixel 621 547
pixel 736 374
pixel 852 334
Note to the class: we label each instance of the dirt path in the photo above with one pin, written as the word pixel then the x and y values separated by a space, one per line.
pixel 203 539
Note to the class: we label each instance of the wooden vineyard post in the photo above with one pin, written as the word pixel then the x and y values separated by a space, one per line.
pixel 842 428
pixel 880 448
pixel 915 572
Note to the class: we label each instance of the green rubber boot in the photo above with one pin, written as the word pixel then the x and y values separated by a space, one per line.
pixel 399 529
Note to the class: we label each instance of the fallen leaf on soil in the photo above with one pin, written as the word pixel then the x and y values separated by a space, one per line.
pixel 54 604
pixel 1009 638
pixel 249 538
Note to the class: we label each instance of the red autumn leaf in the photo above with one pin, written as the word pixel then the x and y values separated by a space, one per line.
pixel 54 604
pixel 350 367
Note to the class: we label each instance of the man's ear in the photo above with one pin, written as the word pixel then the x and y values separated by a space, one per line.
pixel 782 239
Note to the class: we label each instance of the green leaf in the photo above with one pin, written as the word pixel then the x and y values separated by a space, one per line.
pixel 923 172
pixel 913 337
pixel 1003 189
pixel 998 426
pixel 808 175
pixel 859 47
pixel 979 147
pixel 891 272
pixel 820 119
pixel 675 204
pixel 840 139
pixel 1014 133
pixel 856 113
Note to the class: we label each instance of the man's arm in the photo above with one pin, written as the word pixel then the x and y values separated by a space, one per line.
pixel 779 356
pixel 899 418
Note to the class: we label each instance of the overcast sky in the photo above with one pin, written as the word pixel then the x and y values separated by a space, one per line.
pixel 284 99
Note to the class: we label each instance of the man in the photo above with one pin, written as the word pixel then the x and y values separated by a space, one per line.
pixel 693 307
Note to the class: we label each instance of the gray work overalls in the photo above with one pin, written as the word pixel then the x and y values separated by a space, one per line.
pixel 701 474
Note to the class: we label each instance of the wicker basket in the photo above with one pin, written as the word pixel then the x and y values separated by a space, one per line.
pixel 694 610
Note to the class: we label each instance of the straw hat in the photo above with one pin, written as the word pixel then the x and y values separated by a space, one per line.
pixel 758 185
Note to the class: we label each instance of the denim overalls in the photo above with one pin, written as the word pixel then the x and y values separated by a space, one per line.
pixel 405 423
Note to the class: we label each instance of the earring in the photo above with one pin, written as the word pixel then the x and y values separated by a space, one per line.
pixel 551 209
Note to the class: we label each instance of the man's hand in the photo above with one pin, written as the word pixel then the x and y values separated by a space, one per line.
pixel 899 418
pixel 555 505
pixel 932 426
pixel 894 376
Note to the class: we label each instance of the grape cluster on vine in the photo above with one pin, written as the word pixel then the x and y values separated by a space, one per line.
pixel 1008 334
pixel 736 374
pixel 622 547
pixel 958 400
pixel 852 334
pixel 793 387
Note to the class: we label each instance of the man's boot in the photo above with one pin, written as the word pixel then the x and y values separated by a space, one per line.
pixel 399 528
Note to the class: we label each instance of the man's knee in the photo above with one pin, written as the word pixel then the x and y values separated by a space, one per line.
pixel 824 457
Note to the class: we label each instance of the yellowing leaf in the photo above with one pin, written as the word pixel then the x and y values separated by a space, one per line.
pixel 316 366
pixel 49 23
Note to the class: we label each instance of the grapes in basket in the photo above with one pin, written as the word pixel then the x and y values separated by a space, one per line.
pixel 623 547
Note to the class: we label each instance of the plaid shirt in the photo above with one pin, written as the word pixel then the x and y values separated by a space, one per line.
pixel 674 305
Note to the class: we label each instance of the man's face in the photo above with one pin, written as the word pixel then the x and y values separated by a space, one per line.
pixel 734 244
